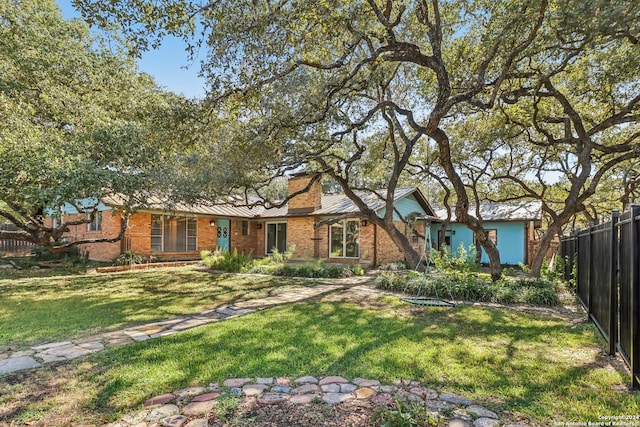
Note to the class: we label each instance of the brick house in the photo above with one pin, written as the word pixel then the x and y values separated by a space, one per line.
pixel 184 231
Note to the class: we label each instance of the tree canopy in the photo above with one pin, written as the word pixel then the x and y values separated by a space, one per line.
pixel 354 89
pixel 77 121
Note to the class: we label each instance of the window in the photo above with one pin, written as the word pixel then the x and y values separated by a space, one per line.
pixel 345 239
pixel 245 228
pixel 276 237
pixel 96 224
pixel 492 235
pixel 173 234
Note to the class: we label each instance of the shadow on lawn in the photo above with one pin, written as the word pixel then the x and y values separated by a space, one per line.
pixel 495 356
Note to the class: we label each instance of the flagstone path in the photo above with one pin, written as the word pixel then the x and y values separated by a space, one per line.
pixel 11 360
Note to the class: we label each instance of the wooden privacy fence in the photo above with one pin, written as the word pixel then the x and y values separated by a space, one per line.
pixel 14 247
pixel 604 262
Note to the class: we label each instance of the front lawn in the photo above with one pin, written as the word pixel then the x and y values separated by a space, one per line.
pixel 40 310
pixel 540 367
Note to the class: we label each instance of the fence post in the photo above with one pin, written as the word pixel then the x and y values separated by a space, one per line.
pixel 590 274
pixel 635 298
pixel 613 291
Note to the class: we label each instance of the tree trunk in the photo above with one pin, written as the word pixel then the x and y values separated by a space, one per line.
pixel 545 242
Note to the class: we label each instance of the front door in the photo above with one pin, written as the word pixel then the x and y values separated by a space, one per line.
pixel 277 237
pixel 223 234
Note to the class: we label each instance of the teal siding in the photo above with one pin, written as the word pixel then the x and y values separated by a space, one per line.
pixel 69 209
pixel 405 206
pixel 510 235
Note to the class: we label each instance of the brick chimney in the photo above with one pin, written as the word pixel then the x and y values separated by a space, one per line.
pixel 306 202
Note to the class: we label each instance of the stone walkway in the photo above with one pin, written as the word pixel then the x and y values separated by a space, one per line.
pixel 12 361
pixel 190 407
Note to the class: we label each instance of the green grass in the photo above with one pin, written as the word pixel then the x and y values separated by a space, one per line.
pixel 535 366
pixel 36 310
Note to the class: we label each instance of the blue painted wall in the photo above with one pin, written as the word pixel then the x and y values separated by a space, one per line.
pixel 405 206
pixel 511 239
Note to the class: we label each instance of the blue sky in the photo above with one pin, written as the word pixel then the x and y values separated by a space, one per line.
pixel 166 64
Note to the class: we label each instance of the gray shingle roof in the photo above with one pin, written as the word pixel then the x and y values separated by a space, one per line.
pixel 514 211
pixel 332 204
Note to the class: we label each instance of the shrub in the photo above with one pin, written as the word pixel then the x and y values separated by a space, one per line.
pixel 403 414
pixel 231 262
pixel 129 258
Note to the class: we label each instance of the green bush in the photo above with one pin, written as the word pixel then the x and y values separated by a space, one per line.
pixel 462 260
pixel 467 286
pixel 129 258
pixel 231 262
pixel 403 414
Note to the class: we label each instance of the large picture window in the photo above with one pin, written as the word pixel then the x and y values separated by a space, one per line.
pixel 173 234
pixel 345 239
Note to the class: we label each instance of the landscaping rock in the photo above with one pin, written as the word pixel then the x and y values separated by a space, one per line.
pixel 159 400
pixel 486 422
pixel 267 381
pixel 303 399
pixel 457 422
pixel 424 393
pixel 281 389
pixel 331 388
pixel 333 380
pixel 333 398
pixel 306 380
pixel 362 382
pixel 198 422
pixel 481 412
pixel 198 408
pixel 162 412
pixel 306 389
pixel 236 382
pixel 455 399
pixel 254 389
pixel 191 391
pixel 365 393
pixel 206 397
pixel 347 388
pixel 174 421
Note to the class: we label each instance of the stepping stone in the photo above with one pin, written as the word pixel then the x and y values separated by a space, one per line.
pixel 137 335
pixel 267 381
pixel 333 380
pixel 163 334
pixel 424 393
pixel 362 382
pixel 486 422
pixel 236 382
pixel 198 422
pixel 387 389
pixel 254 389
pixel 162 412
pixel 92 346
pixel 119 341
pixel 333 398
pixel 455 399
pixel 51 345
pixel 281 389
pixel 481 412
pixel 198 408
pixel 214 387
pixel 306 389
pixel 303 399
pixel 457 422
pixel 48 358
pixel 206 397
pixel 135 417
pixel 191 391
pixel 13 364
pixel 159 400
pixel 234 391
pixel 174 421
pixel 347 388
pixel 331 388
pixel 23 353
pixel 365 393
pixel 306 380
pixel 272 398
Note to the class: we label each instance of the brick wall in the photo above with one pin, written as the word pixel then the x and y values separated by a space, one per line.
pixel 111 223
pixel 206 234
pixel 305 202
pixel 301 232
pixel 247 244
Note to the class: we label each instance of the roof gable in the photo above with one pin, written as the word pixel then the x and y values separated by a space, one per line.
pixel 513 211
